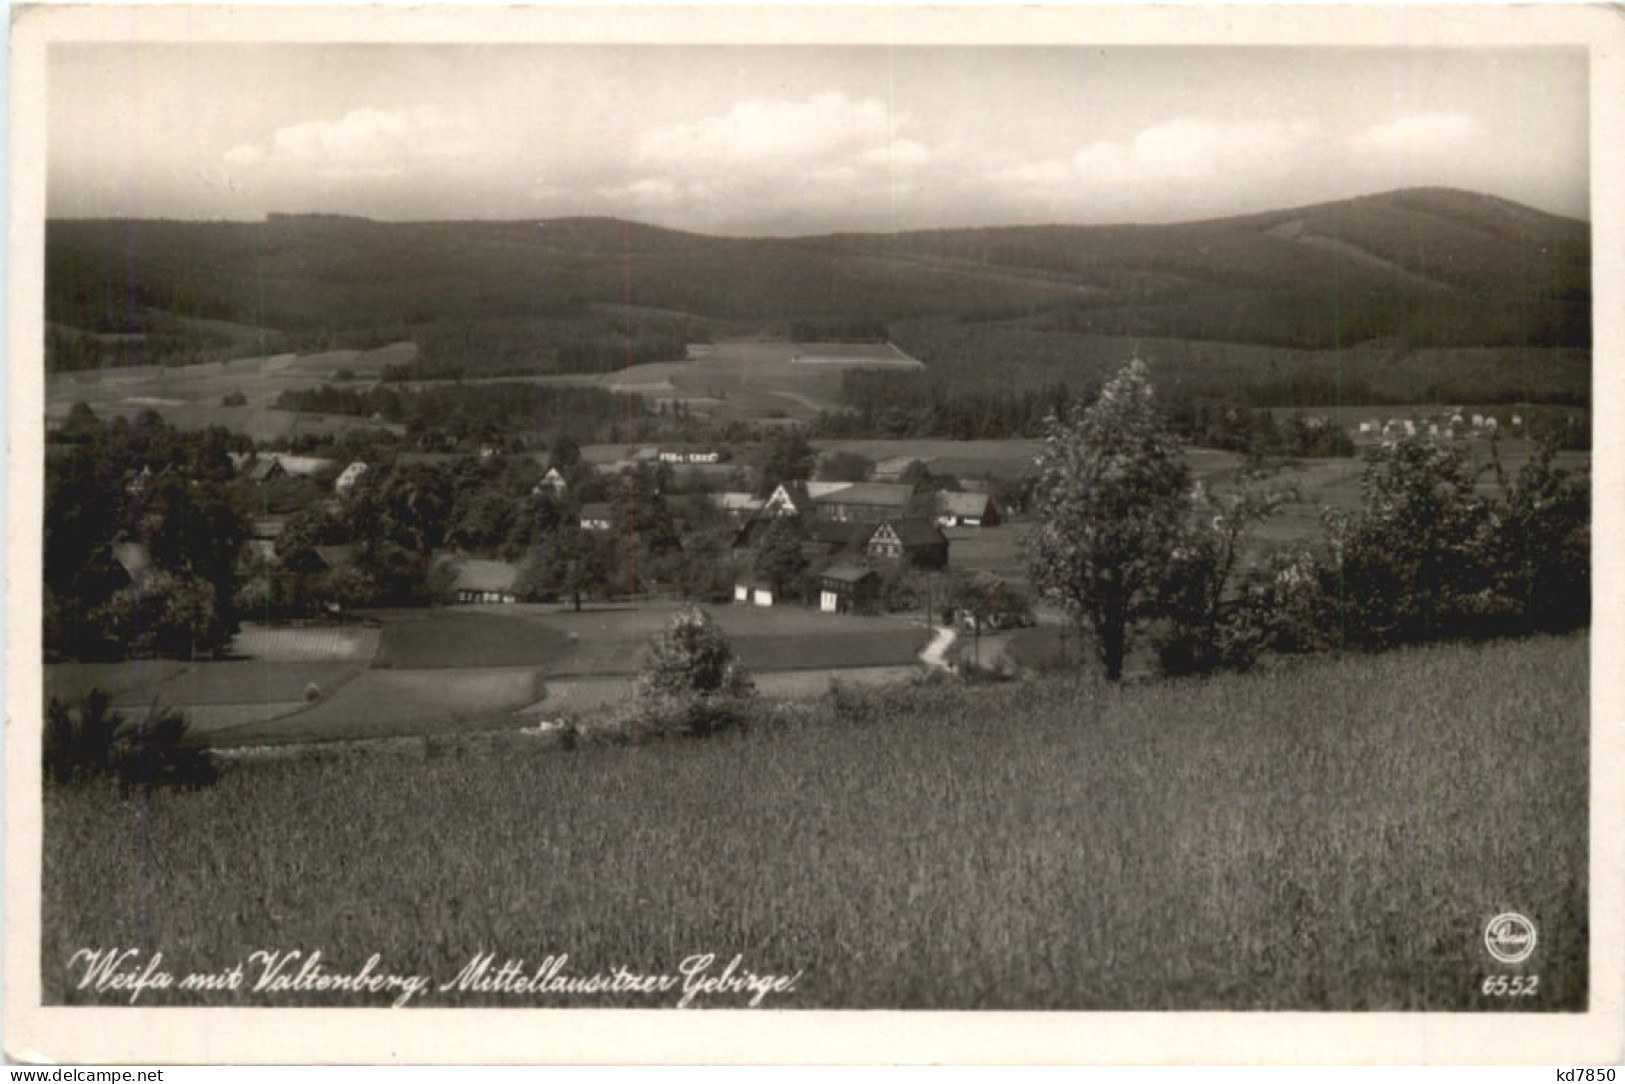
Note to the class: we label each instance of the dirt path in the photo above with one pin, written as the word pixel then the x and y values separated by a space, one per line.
pixel 942 638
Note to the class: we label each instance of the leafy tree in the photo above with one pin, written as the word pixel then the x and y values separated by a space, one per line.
pixel 565 452
pixel 691 682
pixel 789 459
pixel 1112 496
pixel 778 558
pixel 1204 628
pixel 1544 541
pixel 1415 562
pixel 845 467
pixel 164 614
pixel 581 564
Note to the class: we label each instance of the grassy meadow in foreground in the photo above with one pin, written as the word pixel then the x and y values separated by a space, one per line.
pixel 1329 836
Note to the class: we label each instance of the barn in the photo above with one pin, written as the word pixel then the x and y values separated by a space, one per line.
pixel 866 502
pixel 486 581
pixel 918 543
pixel 967 510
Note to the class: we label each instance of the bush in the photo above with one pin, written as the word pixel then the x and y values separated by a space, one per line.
pixel 692 683
pixel 94 741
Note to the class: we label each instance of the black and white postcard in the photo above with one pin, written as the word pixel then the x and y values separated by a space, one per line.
pixel 768 534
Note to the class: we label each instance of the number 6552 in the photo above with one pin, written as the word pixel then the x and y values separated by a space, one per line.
pixel 1510 985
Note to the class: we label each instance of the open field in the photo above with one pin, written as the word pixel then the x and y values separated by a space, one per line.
pixel 269 677
pixel 1332 835
pixel 189 396
pixel 472 667
pixel 739 379
pixel 610 639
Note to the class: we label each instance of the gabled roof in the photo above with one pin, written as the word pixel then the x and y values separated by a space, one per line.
pixel 963 504
pixel 913 531
pixel 819 489
pixel 847 572
pixel 598 510
pixel 883 494
pixel 836 533
pixel 475 574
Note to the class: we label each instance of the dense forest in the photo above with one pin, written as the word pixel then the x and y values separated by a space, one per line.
pixel 1421 274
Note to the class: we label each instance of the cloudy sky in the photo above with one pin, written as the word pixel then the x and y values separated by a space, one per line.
pixel 753 140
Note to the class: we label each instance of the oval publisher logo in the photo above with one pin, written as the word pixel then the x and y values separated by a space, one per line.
pixel 1510 937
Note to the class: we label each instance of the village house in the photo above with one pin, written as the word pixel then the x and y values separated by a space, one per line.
pixel 552 483
pixel 597 516
pixel 789 499
pixel 482 581
pixel 912 541
pixel 349 478
pixel 848 588
pixel 267 466
pixel 967 510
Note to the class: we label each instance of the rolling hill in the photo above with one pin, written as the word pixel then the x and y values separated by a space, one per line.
pixel 1406 270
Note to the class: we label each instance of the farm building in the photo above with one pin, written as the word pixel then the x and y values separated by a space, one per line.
pixel 913 541
pixel 967 510
pixel 738 505
pixel 263 467
pixel 826 538
pixel 552 482
pixel 690 455
pixel 848 588
pixel 757 592
pixel 790 499
pixel 486 581
pixel 866 502
pixel 349 477
pixel 597 516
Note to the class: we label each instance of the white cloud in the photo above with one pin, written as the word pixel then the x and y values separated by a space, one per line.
pixel 768 159
pixel 1188 150
pixel 1428 133
pixel 245 154
pixel 1032 173
pixel 769 133
pixel 362 144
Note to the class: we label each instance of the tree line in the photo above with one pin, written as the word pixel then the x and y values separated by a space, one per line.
pixel 1133 551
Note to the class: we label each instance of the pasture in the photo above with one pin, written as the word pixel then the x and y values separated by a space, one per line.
pixel 745 379
pixel 190 396
pixel 1332 835
pixel 267 677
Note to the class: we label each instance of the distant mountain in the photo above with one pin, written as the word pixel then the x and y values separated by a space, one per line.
pixel 1418 267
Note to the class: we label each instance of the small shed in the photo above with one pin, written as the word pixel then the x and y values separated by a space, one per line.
pixel 848 588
